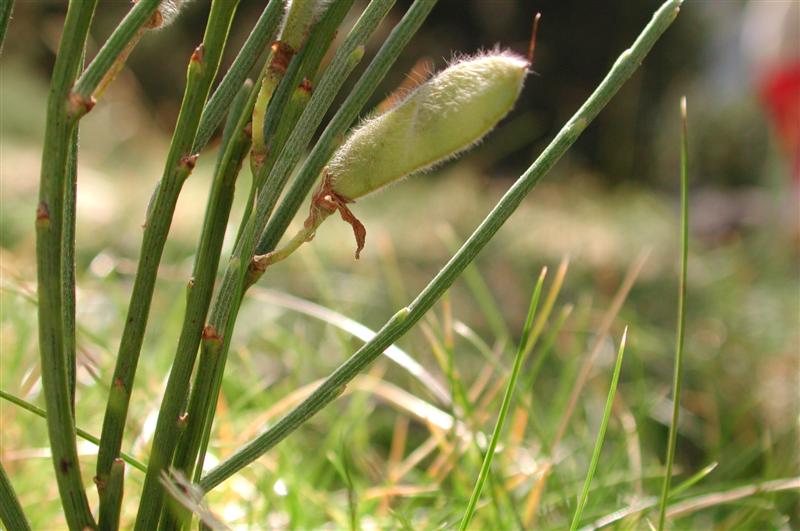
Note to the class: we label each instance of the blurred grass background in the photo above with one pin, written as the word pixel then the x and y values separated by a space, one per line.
pixel 613 199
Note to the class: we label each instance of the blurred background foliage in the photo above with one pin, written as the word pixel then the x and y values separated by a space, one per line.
pixel 612 198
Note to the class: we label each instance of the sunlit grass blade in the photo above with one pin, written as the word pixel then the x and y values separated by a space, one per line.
pixel 676 383
pixel 356 329
pixel 11 513
pixel 506 403
pixel 693 480
pixel 83 434
pixel 601 435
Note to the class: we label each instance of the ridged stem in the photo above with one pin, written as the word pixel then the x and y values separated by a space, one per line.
pixel 235 145
pixel 115 488
pixel 622 69
pixel 226 305
pixel 290 98
pixel 58 138
pixel 11 513
pixel 202 70
pixel 677 376
pixel 106 59
pixel 263 30
pixel 294 34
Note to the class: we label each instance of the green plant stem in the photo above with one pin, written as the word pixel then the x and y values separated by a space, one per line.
pixel 68 265
pixel 679 341
pixel 109 511
pixel 11 513
pixel 202 70
pixel 50 268
pixel 116 45
pixel 290 100
pixel 215 346
pixel 601 435
pixel 263 30
pixel 6 7
pixel 27 406
pixel 235 145
pixel 505 405
pixel 622 69
pixel 295 31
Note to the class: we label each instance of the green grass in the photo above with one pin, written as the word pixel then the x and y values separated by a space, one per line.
pixel 407 441
pixel 741 421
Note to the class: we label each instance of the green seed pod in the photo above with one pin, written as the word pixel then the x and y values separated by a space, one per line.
pixel 437 121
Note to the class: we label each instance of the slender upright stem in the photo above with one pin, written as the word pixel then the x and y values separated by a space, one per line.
pixel 236 143
pixel 294 34
pixel 505 404
pixel 180 161
pixel 622 69
pixel 601 435
pixel 679 340
pixel 11 513
pixel 115 488
pixel 223 315
pixel 293 93
pixel 50 268
pixel 263 30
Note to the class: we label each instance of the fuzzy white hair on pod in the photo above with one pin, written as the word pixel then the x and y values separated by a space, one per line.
pixel 435 122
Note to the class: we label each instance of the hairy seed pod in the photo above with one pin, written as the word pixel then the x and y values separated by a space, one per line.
pixel 437 121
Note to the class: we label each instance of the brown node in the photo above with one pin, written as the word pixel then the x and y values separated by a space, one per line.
pixel 119 384
pixel 190 284
pixel 156 20
pixel 64 465
pixel 305 85
pixel 101 484
pixel 248 130
pixel 198 54
pixel 189 161
pixel 42 212
pixel 328 201
pixel 282 54
pixel 210 334
pixel 78 105
pixel 183 419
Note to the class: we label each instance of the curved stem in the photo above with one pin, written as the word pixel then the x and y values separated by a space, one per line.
pixel 622 69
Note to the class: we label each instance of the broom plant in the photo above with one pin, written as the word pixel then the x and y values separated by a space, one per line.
pixel 271 120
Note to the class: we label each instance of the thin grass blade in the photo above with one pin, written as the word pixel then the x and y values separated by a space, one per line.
pixel 676 382
pixel 601 435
